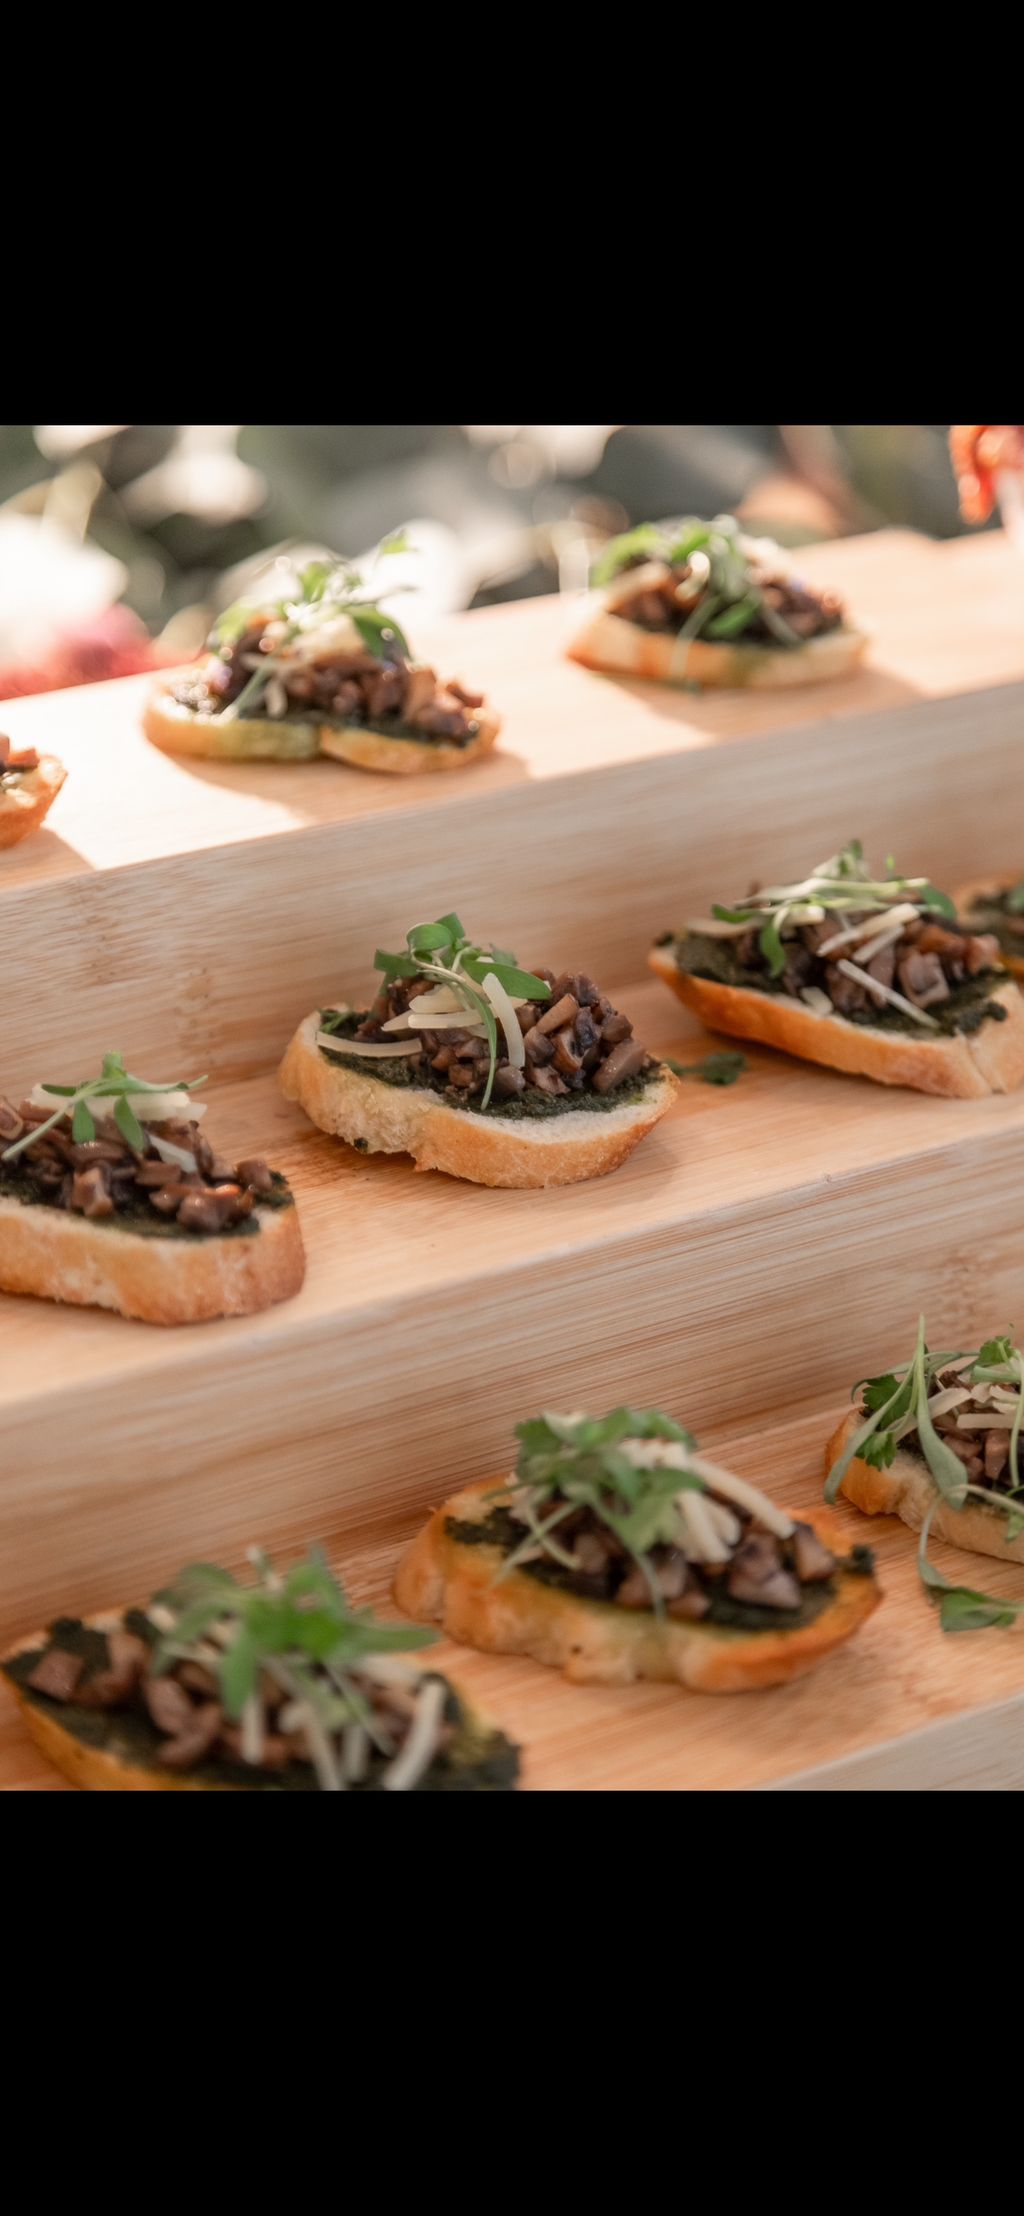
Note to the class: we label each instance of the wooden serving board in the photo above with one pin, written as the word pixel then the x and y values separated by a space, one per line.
pixel 764 1246
pixel 902 1707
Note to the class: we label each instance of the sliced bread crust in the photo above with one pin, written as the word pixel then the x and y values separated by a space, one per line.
pixel 56 1255
pixel 24 806
pixel 442 1580
pixel 977 887
pixel 485 1149
pixel 965 1067
pixel 181 730
pixel 907 1489
pixel 610 642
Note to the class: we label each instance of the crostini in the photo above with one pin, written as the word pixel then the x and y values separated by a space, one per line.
pixel 29 784
pixel 872 976
pixel 274 1686
pixel 615 1551
pixel 319 669
pixel 112 1197
pixel 697 604
pixel 996 905
pixel 937 1442
pixel 477 1067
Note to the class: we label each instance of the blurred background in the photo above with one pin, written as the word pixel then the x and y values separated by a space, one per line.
pixel 119 542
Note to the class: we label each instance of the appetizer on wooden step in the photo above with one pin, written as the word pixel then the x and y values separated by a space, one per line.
pixel 112 1197
pixel 872 976
pixel 474 1066
pixel 995 905
pixel 616 1551
pixel 29 784
pixel 274 1686
pixel 700 604
pixel 320 670
pixel 937 1441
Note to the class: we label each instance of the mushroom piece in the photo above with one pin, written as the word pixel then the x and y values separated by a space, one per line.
pixel 811 1557
pixel 758 1574
pixel 625 1060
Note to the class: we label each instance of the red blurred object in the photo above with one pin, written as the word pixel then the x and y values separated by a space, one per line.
pixel 116 644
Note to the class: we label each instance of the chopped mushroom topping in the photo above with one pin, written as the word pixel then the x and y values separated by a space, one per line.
pixel 976 1427
pixel 658 1526
pixel 177 1177
pixel 573 1043
pixel 348 685
pixel 325 1697
pixel 843 942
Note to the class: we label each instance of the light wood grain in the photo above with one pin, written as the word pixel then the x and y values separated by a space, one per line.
pixel 902 1707
pixel 765 1238
pixel 209 957
pixel 943 619
pixel 763 1246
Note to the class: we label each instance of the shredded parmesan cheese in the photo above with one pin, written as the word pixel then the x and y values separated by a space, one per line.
pixel 168 1152
pixel 701 1541
pixel 671 1454
pixel 885 992
pixel 817 1000
pixel 904 912
pixel 171 1107
pixel 421 1742
pixel 953 1396
pixel 504 1009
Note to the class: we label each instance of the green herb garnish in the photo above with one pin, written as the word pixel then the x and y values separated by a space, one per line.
pixel 842 884
pixel 714 1069
pixel 578 1461
pixel 897 1404
pixel 114 1083
pixel 322 591
pixel 298 1628
pixel 442 951
pixel 727 574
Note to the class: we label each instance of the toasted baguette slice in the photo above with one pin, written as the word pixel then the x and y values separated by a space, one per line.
pixel 23 807
pixel 485 1149
pixel 907 1489
pixel 180 730
pixel 480 1757
pixel 610 642
pixel 989 1060
pixel 441 1580
pixel 978 887
pixel 57 1255
pixel 367 749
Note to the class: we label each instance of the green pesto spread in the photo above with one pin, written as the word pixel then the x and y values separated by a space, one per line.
pixel 527 1107
pixel 501 1530
pixel 969 1005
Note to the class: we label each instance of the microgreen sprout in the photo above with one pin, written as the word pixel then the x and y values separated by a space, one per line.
pixel 441 952
pixel 895 1405
pixel 570 1462
pixel 297 1627
pixel 320 592
pixel 713 1069
pixel 727 567
pixel 114 1083
pixel 840 885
